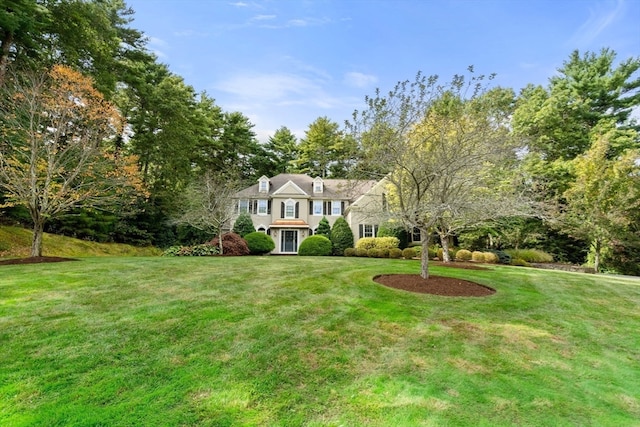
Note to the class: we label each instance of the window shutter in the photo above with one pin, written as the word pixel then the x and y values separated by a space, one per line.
pixel 342 208
pixel 361 230
pixel 375 231
pixel 310 207
pixel 268 207
pixel 281 209
pixel 297 209
pixel 325 208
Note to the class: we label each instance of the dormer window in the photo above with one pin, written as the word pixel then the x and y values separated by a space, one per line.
pixel 318 185
pixel 263 185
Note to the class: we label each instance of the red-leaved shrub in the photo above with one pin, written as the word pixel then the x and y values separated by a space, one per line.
pixel 232 244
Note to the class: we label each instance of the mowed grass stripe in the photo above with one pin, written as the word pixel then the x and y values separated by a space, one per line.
pixel 311 341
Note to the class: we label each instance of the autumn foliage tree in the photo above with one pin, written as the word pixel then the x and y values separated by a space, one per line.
pixel 57 151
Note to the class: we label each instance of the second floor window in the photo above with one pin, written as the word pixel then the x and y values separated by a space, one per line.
pixel 243 206
pixel 290 209
pixel 317 207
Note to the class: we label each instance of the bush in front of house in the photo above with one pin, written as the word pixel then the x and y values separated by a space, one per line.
pixel 452 254
pixel 391 229
pixel 378 243
pixel 350 252
pixel 232 244
pixel 408 253
pixel 315 246
pixel 373 253
pixel 490 258
pixel 324 229
pixel 243 225
pixel 395 253
pixel 341 236
pixel 361 252
pixel 259 243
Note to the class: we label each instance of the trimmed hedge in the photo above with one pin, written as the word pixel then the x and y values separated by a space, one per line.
pixel 350 252
pixel 341 236
pixel 530 255
pixel 408 253
pixel 395 253
pixel 243 225
pixel 378 243
pixel 315 246
pixel 259 243
pixel 463 255
pixel 197 250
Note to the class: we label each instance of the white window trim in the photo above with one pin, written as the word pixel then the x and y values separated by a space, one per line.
pixel 289 204
pixel 320 204
pixel 263 185
pixel 265 206
pixel 335 203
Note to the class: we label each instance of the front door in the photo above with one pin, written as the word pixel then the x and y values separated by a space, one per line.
pixel 289 241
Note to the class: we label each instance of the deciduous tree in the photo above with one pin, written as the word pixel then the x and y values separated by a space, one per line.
pixel 57 150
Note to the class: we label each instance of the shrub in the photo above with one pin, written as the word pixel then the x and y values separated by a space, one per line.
pixel 362 252
pixel 197 250
pixel 259 243
pixel 395 253
pixel 519 262
pixel 315 246
pixel 378 243
pixel 384 252
pixel 530 255
pixel 324 229
pixel 463 255
pixel 373 253
pixel 232 244
pixel 433 252
pixel 390 229
pixel 490 257
pixel 341 236
pixel 477 256
pixel 408 253
pixel 503 257
pixel 243 225
pixel 350 252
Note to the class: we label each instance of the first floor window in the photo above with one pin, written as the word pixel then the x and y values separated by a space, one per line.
pixel 368 230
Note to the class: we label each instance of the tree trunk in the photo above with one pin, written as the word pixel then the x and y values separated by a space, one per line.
pixel 36 243
pixel 596 260
pixel 444 241
pixel 220 241
pixel 424 256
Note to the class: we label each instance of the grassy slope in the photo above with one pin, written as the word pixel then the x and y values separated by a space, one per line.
pixel 16 242
pixel 312 341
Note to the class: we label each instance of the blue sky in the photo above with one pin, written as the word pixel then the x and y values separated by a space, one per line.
pixel 286 63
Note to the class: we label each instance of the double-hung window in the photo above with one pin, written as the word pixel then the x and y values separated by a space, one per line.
pixel 317 207
pixel 290 209
pixel 243 206
pixel 336 208
pixel 262 207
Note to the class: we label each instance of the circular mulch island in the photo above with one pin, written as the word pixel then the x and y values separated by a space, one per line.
pixel 435 285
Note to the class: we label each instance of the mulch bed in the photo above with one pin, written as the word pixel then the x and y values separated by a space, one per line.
pixel 35 260
pixel 435 285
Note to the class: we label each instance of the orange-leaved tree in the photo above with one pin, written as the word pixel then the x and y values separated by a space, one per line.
pixel 58 148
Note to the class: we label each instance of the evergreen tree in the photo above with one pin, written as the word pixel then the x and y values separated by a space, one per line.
pixel 341 236
pixel 243 225
pixel 324 228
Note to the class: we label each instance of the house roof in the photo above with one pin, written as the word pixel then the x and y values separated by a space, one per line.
pixel 333 188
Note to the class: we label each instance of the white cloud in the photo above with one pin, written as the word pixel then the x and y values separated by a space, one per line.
pixel 158 46
pixel 360 80
pixel 599 20
pixel 263 17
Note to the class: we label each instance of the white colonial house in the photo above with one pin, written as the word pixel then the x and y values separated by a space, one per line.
pixel 289 207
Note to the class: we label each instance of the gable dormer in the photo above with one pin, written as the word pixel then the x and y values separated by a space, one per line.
pixel 318 185
pixel 263 185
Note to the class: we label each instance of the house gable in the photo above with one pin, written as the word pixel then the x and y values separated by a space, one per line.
pixel 290 188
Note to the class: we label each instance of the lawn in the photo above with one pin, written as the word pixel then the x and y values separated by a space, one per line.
pixel 288 341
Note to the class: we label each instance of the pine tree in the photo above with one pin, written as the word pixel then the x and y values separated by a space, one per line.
pixel 341 236
pixel 324 229
pixel 243 225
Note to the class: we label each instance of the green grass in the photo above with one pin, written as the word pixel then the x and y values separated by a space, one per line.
pixel 16 242
pixel 287 341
